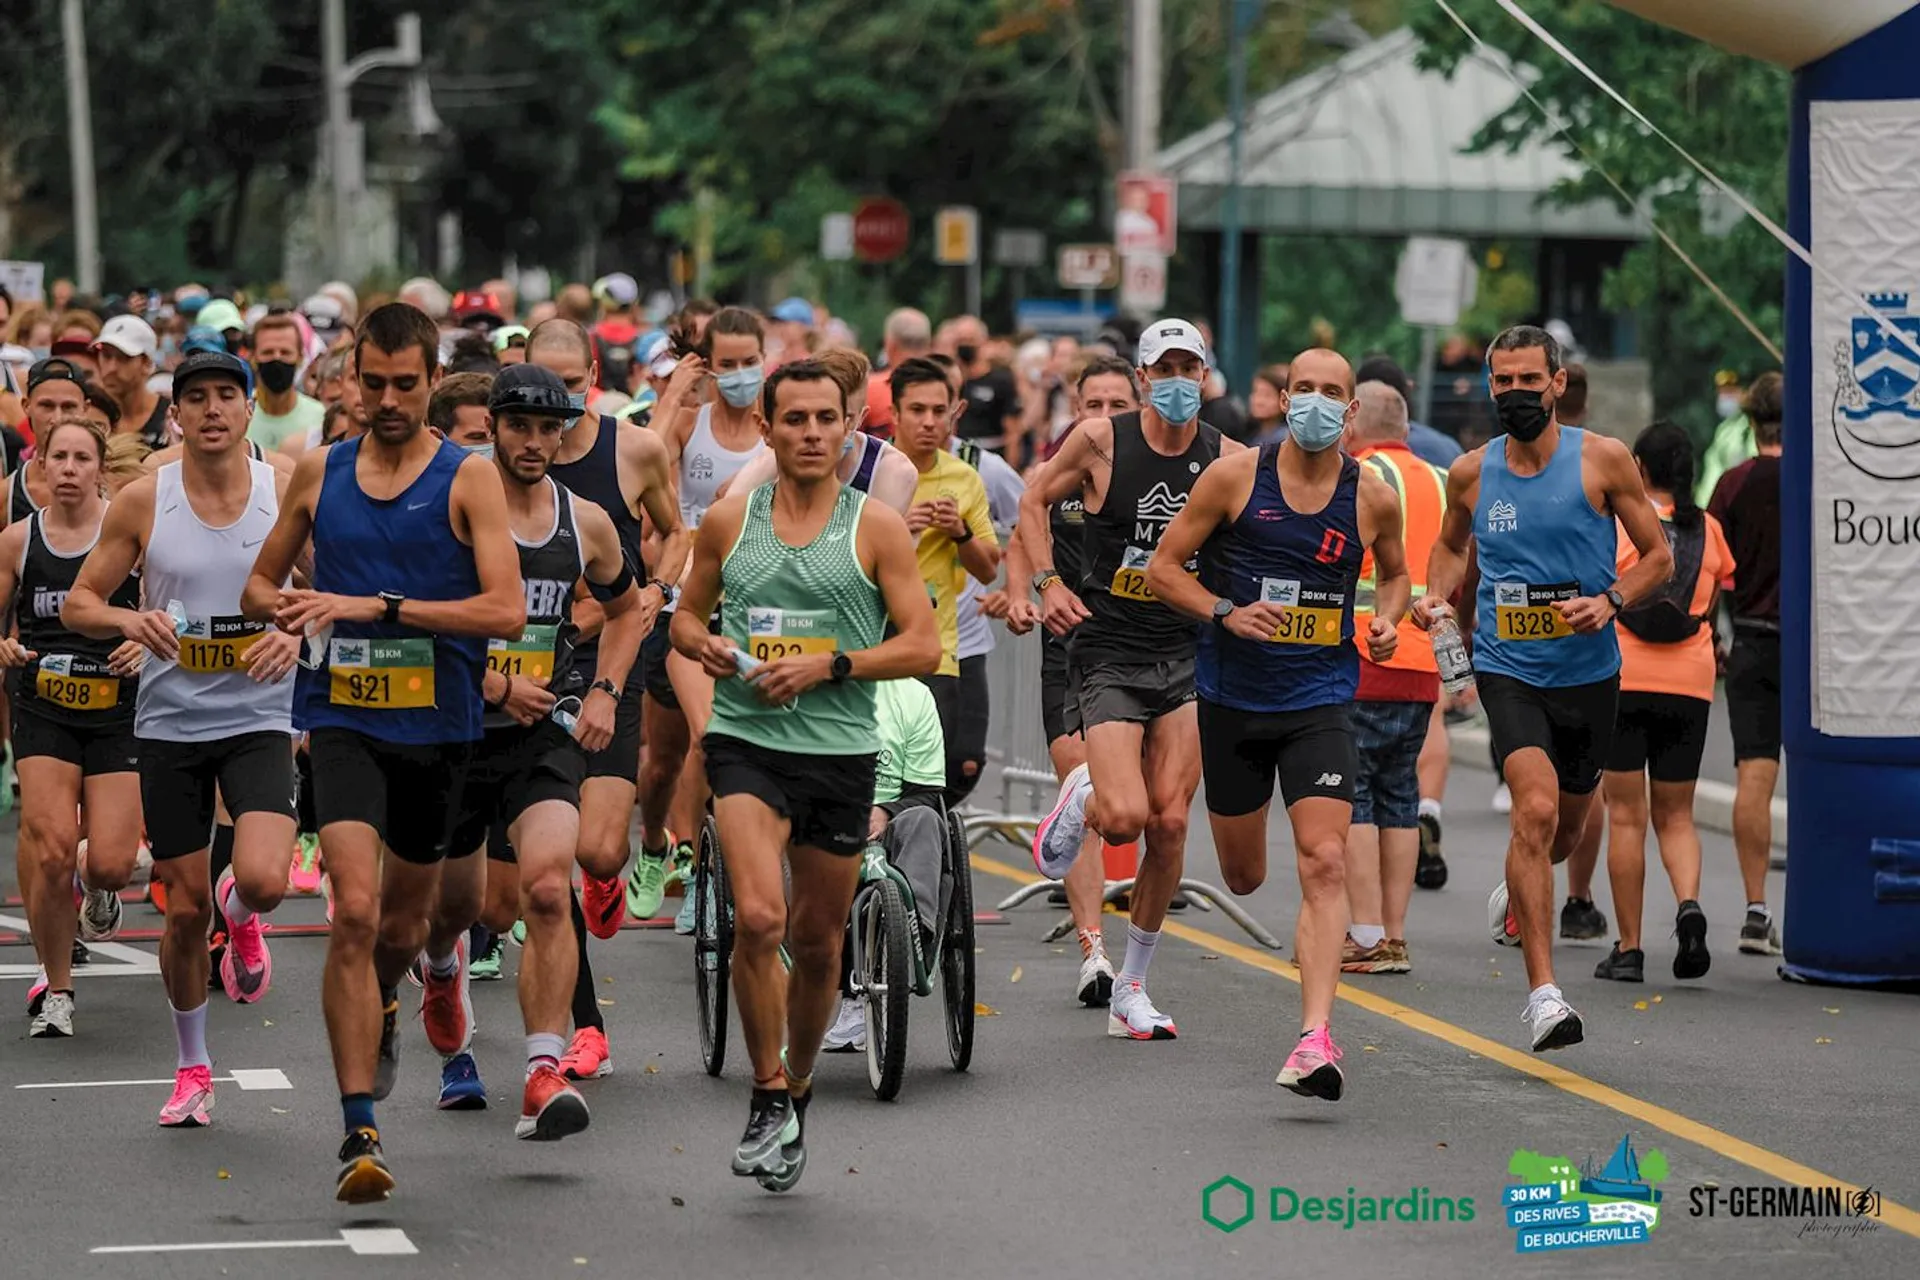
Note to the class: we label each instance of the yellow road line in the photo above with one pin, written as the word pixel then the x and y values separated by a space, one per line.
pixel 1897 1216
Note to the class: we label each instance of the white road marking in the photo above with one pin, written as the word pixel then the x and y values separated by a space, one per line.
pixel 247 1079
pixel 365 1241
pixel 132 960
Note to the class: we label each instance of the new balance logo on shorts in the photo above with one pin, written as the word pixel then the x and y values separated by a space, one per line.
pixel 1328 780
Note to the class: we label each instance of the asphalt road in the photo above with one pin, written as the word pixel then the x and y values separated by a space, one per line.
pixel 1061 1154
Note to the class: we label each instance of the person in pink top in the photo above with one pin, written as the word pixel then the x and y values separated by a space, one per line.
pixel 1660 729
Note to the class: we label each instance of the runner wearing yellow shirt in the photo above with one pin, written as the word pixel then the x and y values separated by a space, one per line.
pixel 949 515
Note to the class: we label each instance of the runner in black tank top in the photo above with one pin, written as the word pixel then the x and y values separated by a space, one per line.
pixel 20 503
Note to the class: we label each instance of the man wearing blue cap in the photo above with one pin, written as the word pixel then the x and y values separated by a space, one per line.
pixel 792 330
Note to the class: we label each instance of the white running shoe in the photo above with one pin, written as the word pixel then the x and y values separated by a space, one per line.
pixel 99 912
pixel 848 1034
pixel 1096 980
pixel 1553 1021
pixel 55 1019
pixel 1501 926
pixel 1056 841
pixel 1502 799
pixel 1131 1016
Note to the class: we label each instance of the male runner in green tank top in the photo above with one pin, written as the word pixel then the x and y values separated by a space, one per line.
pixel 811 573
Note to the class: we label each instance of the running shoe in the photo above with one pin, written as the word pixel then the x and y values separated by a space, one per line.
pixel 793 1155
pixel 303 876
pixel 326 892
pixel 364 1176
pixel 848 1034
pixel 1400 960
pixel 388 1065
pixel 1553 1021
pixel 99 911
pixel 1501 926
pixel 550 1109
pixel 460 1085
pixel 191 1106
pixel 1622 966
pixel 1758 937
pixel 54 1018
pixel 647 882
pixel 486 967
pixel 518 933
pixel 1131 1016
pixel 157 897
pixel 587 1056
pixel 1378 958
pixel 772 1124
pixel 683 918
pixel 37 994
pixel 246 967
pixel 80 955
pixel 1313 1068
pixel 9 785
pixel 1690 926
pixel 605 904
pixel 446 1007
pixel 1056 841
pixel 1096 980
pixel 1502 799
pixel 1582 921
pixel 1431 870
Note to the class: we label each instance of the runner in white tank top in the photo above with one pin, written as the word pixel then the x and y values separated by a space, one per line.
pixel 706 464
pixel 215 702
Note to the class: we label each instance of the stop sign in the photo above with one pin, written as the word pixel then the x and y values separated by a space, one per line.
pixel 881 229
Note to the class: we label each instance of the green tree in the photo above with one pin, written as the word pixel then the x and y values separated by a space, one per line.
pixel 1653 1168
pixel 1730 110
pixel 1532 1168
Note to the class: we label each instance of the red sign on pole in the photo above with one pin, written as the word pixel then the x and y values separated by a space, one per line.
pixel 881 229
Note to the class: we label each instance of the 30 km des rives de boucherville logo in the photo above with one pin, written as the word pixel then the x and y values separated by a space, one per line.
pixel 1558 1206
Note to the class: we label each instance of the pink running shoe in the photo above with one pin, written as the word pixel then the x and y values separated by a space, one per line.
pixel 246 966
pixel 191 1106
pixel 1312 1069
pixel 303 875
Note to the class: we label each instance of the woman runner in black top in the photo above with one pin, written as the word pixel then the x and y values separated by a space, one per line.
pixel 72 723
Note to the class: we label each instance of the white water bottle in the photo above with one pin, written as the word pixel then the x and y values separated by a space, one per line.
pixel 1450 654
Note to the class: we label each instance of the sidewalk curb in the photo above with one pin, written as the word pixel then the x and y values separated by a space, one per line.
pixel 1712 801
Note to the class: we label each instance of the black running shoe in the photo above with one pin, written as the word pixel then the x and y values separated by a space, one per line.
pixel 364 1176
pixel 80 953
pixel 1690 926
pixel 1758 936
pixel 771 1125
pixel 1431 871
pixel 1622 966
pixel 1581 920
pixel 388 1067
pixel 793 1155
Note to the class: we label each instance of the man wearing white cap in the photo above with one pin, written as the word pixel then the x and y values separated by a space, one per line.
pixel 1130 657
pixel 124 353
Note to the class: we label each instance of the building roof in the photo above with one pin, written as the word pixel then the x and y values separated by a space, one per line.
pixel 1373 144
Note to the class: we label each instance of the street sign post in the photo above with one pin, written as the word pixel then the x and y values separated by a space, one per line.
pixel 836 237
pixel 1146 218
pixel 881 229
pixel 956 236
pixel 1088 266
pixel 1435 283
pixel 1019 247
pixel 1143 282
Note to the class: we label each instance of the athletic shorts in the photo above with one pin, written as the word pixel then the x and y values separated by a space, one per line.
pixel 512 770
pixel 409 793
pixel 652 664
pixel 827 800
pixel 1573 724
pixel 1242 752
pixel 1387 737
pixel 969 740
pixel 1663 733
pixel 254 772
pixel 1059 713
pixel 620 758
pixel 1753 694
pixel 1132 692
pixel 110 748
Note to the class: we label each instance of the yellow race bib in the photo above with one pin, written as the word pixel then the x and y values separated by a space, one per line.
pixel 214 646
pixel 532 655
pixel 1524 610
pixel 1130 579
pixel 77 684
pixel 783 633
pixel 1308 615
pixel 381 675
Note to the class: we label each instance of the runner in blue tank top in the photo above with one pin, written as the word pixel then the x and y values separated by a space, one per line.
pixel 1540 503
pixel 414 570
pixel 1282 531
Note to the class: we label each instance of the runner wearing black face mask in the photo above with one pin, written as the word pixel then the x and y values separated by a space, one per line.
pixel 280 413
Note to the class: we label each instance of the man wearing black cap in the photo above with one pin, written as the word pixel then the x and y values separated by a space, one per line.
pixel 215 704
pixel 522 794
pixel 56 388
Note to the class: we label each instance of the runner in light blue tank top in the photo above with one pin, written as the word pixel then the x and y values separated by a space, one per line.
pixel 1541 541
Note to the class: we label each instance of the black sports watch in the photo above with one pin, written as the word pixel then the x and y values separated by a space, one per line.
pixel 841 670
pixel 606 687
pixel 392 600
pixel 1221 608
pixel 1618 601
pixel 1045 578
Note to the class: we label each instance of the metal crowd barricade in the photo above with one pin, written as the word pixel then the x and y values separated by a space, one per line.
pixel 1017 746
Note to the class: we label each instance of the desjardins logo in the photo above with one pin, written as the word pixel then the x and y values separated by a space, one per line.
pixel 1228 1204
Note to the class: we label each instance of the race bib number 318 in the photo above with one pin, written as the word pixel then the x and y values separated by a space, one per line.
pixel 1308 615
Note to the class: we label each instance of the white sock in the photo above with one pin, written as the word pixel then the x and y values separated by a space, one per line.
pixel 1544 990
pixel 544 1046
pixel 445 966
pixel 1367 935
pixel 1429 808
pixel 1762 908
pixel 190 1029
pixel 1140 945
pixel 236 911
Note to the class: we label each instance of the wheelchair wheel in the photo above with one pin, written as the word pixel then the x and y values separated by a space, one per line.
pixel 956 947
pixel 712 947
pixel 887 984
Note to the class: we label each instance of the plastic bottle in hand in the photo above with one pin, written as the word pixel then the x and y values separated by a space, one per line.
pixel 1450 654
